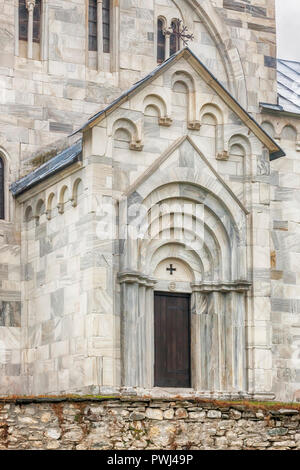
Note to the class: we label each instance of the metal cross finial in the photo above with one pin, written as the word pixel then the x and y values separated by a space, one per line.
pixel 180 32
pixel 171 269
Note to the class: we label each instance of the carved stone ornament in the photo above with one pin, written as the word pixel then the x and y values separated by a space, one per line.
pixel 30 4
pixel 194 125
pixel 165 121
pixel 172 286
pixel 223 155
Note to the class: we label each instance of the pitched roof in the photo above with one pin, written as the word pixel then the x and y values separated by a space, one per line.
pixel 275 150
pixel 288 85
pixel 74 153
pixel 59 162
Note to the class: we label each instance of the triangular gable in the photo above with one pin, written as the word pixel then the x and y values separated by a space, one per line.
pixel 200 167
pixel 210 79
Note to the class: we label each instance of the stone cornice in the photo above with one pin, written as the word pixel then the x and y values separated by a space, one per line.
pixel 231 286
pixel 135 277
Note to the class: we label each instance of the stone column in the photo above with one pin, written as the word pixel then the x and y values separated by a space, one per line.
pixel 198 309
pixel 30 4
pixel 129 338
pixel 149 337
pixel 218 337
pixel 136 330
pixel 167 46
pixel 44 30
pixel 115 35
pixel 16 27
pixel 99 35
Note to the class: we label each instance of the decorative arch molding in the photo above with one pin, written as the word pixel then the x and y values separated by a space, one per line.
pixel 241 141
pixel 63 198
pixel 77 190
pixel 158 103
pixel 229 54
pixel 289 132
pixel 132 129
pixel 50 205
pixel 28 214
pixel 216 260
pixel 39 208
pixel 185 78
pixel 212 112
pixel 175 250
pixel 269 128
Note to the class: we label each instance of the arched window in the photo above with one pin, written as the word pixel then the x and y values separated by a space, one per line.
pixel 174 38
pixel 23 21
pixel 36 33
pixel 25 9
pixel 93 25
pixel 106 25
pixel 161 41
pixel 94 17
pixel 1 188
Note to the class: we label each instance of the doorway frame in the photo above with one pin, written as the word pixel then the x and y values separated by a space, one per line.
pixel 182 295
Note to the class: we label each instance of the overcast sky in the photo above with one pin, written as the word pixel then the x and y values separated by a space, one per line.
pixel 288 29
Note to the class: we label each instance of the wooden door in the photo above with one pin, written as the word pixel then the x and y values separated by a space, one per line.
pixel 172 340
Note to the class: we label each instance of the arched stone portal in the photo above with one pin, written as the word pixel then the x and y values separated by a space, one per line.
pixel 189 223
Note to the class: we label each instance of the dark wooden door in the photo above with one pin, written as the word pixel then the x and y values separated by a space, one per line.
pixel 172 340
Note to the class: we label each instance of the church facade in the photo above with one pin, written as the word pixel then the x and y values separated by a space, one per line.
pixel 149 200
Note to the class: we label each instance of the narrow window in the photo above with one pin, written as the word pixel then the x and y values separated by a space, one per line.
pixel 174 38
pixel 106 25
pixel 93 25
pixel 23 20
pixel 1 188
pixel 36 36
pixel 161 41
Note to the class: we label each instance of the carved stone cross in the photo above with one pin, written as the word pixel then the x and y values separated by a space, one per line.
pixel 171 269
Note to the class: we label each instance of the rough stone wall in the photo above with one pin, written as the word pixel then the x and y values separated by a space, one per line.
pixel 146 424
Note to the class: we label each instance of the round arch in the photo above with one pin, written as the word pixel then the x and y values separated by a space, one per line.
pixel 219 33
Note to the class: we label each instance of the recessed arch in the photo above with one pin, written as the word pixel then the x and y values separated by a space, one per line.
pixel 156 102
pixel 289 132
pixel 39 208
pixel 50 205
pixel 212 110
pixel 28 214
pixel 240 141
pixel 63 198
pixel 77 191
pixel 183 83
pixel 126 127
pixel 269 128
pixel 203 229
pixel 182 272
pixel 221 36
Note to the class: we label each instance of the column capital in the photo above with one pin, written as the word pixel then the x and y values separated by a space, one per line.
pixel 231 286
pixel 135 277
pixel 30 4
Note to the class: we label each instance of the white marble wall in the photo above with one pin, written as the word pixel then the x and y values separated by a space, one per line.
pixel 42 100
